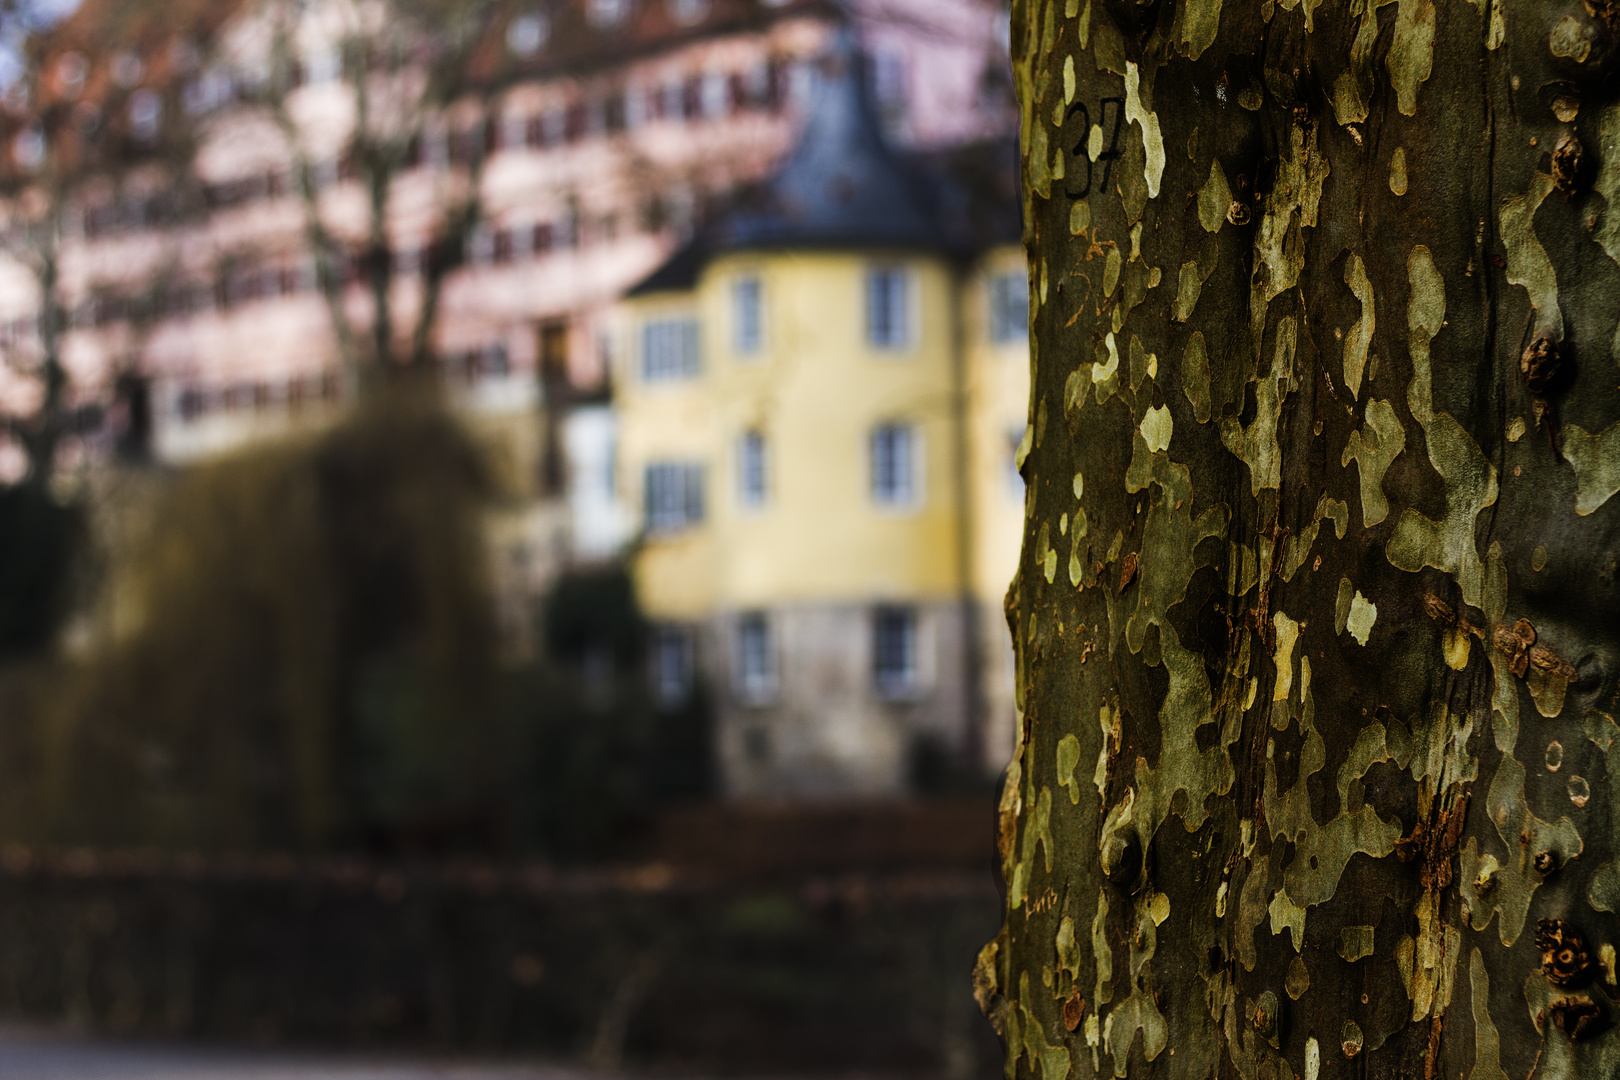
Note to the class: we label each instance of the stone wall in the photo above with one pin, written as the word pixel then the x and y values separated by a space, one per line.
pixel 649 966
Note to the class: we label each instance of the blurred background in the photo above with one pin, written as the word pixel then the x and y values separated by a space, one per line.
pixel 504 510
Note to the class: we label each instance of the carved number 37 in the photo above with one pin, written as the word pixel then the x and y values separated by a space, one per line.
pixel 1078 154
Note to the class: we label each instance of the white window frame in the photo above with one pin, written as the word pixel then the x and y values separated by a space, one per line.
pixel 896 500
pixel 753 497
pixel 674 665
pixel 604 14
pixel 714 95
pixel 1014 331
pixel 754 639
pixel 667 511
pixel 748 315
pixel 903 683
pixel 899 328
pixel 682 336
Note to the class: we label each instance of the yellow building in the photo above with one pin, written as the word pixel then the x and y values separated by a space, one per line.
pixel 818 405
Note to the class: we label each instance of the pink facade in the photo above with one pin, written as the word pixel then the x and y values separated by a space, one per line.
pixel 629 120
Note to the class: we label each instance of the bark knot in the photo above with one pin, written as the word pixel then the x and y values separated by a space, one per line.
pixel 1563 952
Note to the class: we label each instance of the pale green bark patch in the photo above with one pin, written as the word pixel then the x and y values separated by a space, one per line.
pixel 1256 445
pixel 1152 140
pixel 1607 184
pixel 1068 756
pixel 1487 1043
pixel 1527 261
pixel 1356 942
pixel 1359 339
pixel 1596 461
pixel 1363 613
pixel 1195 376
pixel 1200 21
pixel 1214 199
pixel 1411 56
pixel 1156 429
pixel 1373 448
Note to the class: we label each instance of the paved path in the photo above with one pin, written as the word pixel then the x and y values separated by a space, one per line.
pixel 41 1055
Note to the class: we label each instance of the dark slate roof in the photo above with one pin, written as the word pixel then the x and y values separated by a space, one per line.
pixel 843 187
pixel 679 272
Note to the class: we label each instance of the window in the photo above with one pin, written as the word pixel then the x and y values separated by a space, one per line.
pixel 1009 307
pixel 715 95
pixel 481 246
pixel 748 324
pixel 672 666
pixel 145 114
pixel 753 482
pixel 669 350
pixel 887 310
pixel 888 83
pixel 606 13
pixel 554 125
pixel 894 651
pixel 756 659
pixel 527 33
pixel 687 12
pixel 322 63
pixel 674 496
pixel 894 465
pixel 672 99
pixel 637 107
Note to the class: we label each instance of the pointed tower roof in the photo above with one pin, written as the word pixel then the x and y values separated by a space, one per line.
pixel 842 185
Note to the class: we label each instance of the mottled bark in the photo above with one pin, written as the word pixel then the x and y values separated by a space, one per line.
pixel 1316 619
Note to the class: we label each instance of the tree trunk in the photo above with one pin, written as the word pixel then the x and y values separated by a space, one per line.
pixel 1316 620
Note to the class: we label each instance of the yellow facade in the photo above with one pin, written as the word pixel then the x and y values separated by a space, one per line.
pixel 816 390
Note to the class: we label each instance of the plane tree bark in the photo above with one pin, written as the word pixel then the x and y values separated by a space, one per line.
pixel 1316 616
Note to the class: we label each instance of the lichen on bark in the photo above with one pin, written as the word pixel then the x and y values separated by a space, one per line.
pixel 1324 321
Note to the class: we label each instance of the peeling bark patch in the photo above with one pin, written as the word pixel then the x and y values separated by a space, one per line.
pixel 1596 461
pixel 1487 1043
pixel 1299 979
pixel 1374 448
pixel 1412 54
pixel 1189 283
pixel 1156 429
pixel 1287 634
pixel 1079 217
pixel 1152 140
pixel 1607 183
pixel 1359 339
pixel 1287 915
pixel 1200 22
pixel 1214 199
pixel 1360 621
pixel 1256 445
pixel 1397 171
pixel 1068 756
pixel 1527 262
pixel 1195 377
pixel 1470 485
pixel 1356 942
